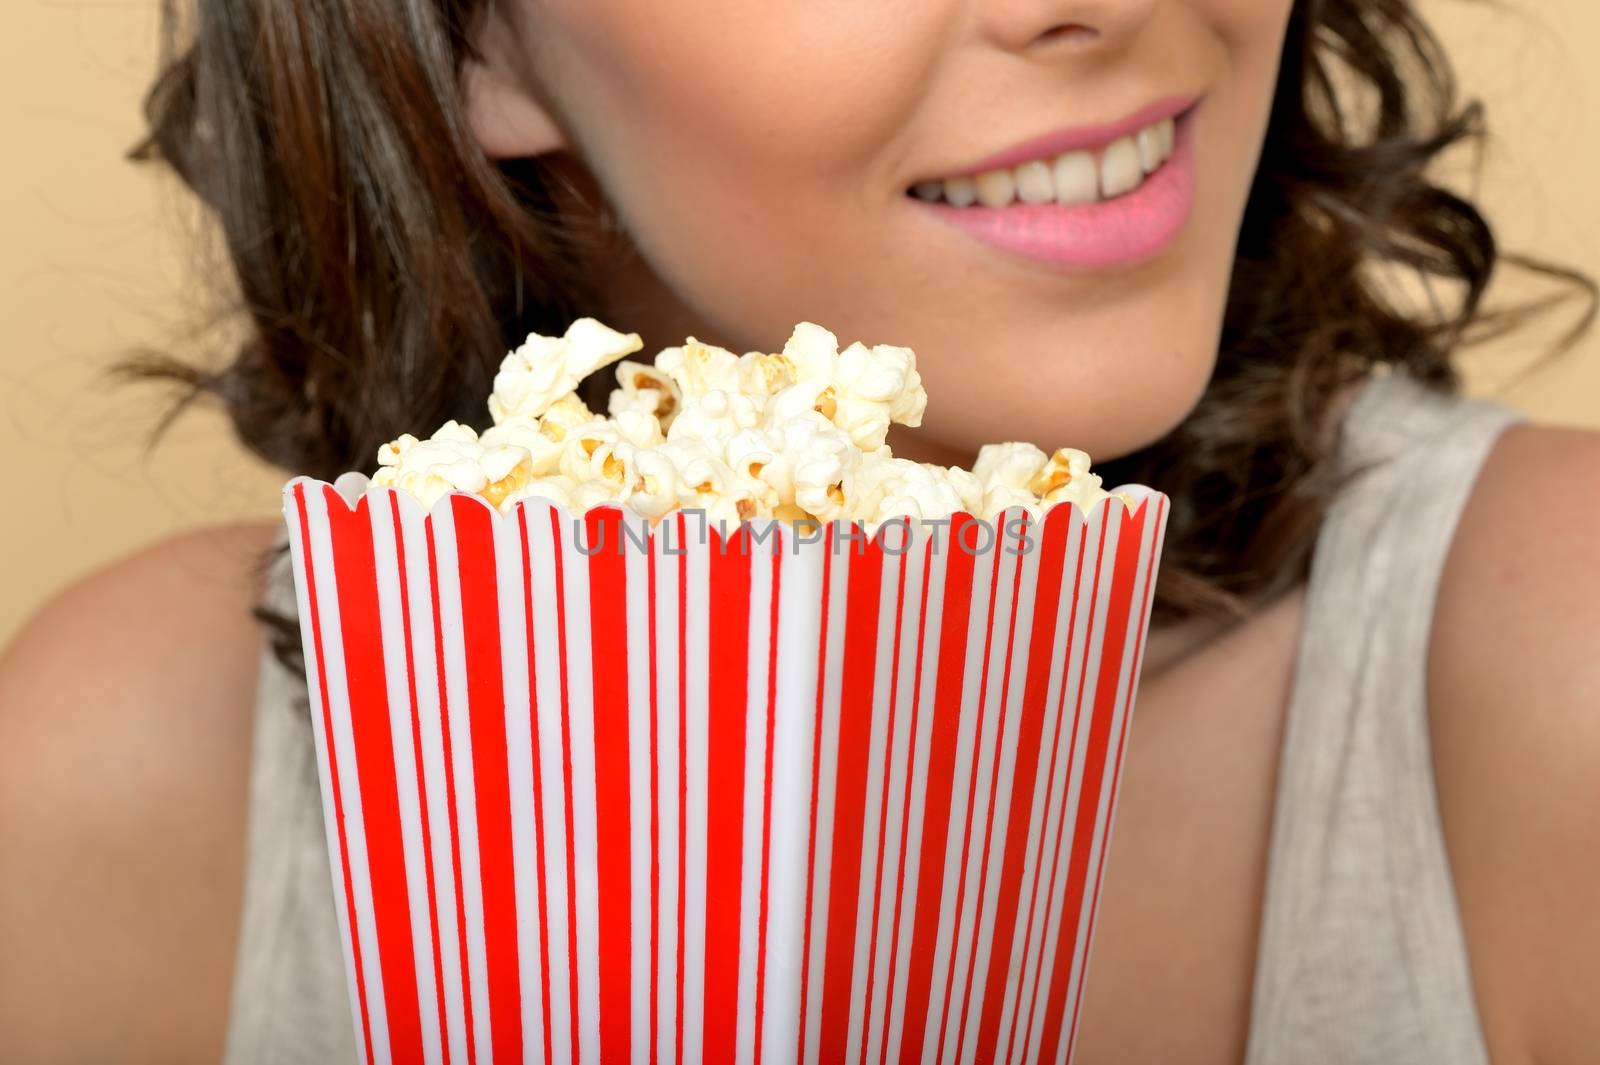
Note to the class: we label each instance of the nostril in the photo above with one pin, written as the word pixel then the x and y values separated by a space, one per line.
pixel 1072 32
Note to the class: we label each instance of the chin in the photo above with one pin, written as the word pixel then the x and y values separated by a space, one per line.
pixel 1145 415
pixel 1109 411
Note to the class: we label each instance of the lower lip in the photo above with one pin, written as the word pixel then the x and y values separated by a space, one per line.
pixel 1124 231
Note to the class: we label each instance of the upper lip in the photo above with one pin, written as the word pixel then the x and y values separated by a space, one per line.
pixel 1077 138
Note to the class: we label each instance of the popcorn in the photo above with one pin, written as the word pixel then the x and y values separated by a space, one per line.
pixel 888 487
pixel 1008 465
pixel 966 487
pixel 764 375
pixel 796 435
pixel 875 387
pixel 811 351
pixel 544 453
pixel 453 460
pixel 590 494
pixel 557 489
pixel 751 451
pixel 1067 476
pixel 1004 473
pixel 646 389
pixel 638 428
pixel 861 390
pixel 698 368
pixel 822 466
pixel 715 415
pixel 597 452
pixel 706 482
pixel 655 490
pixel 564 415
pixel 545 369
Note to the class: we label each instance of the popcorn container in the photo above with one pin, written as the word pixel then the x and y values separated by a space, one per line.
pixel 600 792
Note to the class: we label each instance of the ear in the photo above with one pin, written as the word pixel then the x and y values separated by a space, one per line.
pixel 507 119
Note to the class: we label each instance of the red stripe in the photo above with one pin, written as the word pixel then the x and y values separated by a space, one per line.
pixel 766 796
pixel 608 614
pixel 1137 521
pixel 362 627
pixel 558 552
pixel 972 798
pixel 1125 568
pixel 863 600
pixel 729 662
pixel 683 775
pixel 450 792
pixel 994 794
pixel 905 802
pixel 538 779
pixel 1030 728
pixel 684 785
pixel 655 825
pixel 883 802
pixel 1049 806
pixel 486 711
pixel 816 783
pixel 943 733
pixel 416 756
pixel 332 502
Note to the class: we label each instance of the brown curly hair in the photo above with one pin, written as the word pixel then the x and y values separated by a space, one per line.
pixel 386 265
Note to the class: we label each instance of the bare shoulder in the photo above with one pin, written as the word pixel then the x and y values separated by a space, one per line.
pixel 1514 695
pixel 124 745
pixel 170 620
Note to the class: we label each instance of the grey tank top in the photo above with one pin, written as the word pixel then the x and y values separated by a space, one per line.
pixel 1361 959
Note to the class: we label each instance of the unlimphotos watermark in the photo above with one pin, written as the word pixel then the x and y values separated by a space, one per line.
pixel 1013 533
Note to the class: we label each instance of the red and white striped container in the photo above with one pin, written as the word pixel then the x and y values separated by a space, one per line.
pixel 597 795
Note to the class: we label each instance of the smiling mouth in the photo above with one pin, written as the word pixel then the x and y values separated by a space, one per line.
pixel 1082 176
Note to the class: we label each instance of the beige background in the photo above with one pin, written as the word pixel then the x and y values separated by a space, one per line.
pixel 98 256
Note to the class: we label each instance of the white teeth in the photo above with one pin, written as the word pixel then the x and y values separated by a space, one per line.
pixel 961 191
pixel 1119 169
pixel 996 188
pixel 1035 183
pixel 1076 177
pixel 1149 142
pixel 1167 130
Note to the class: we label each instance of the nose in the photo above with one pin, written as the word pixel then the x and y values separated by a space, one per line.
pixel 1023 25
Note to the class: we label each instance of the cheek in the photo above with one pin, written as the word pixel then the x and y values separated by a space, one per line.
pixel 1250 38
pixel 736 139
pixel 815 87
pixel 1252 31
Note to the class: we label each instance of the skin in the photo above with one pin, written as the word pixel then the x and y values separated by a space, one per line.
pixel 790 144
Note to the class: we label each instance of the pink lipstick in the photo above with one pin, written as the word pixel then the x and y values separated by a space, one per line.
pixel 1088 198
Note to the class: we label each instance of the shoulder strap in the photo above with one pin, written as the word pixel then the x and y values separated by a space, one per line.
pixel 1361 955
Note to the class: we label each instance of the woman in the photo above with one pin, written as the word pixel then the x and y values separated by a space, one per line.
pixel 1357 818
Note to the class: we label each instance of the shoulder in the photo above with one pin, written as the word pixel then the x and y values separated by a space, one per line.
pixel 124 745
pixel 156 633
pixel 181 585
pixel 1514 701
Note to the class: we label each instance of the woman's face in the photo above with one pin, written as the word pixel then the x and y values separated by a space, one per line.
pixel 766 159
